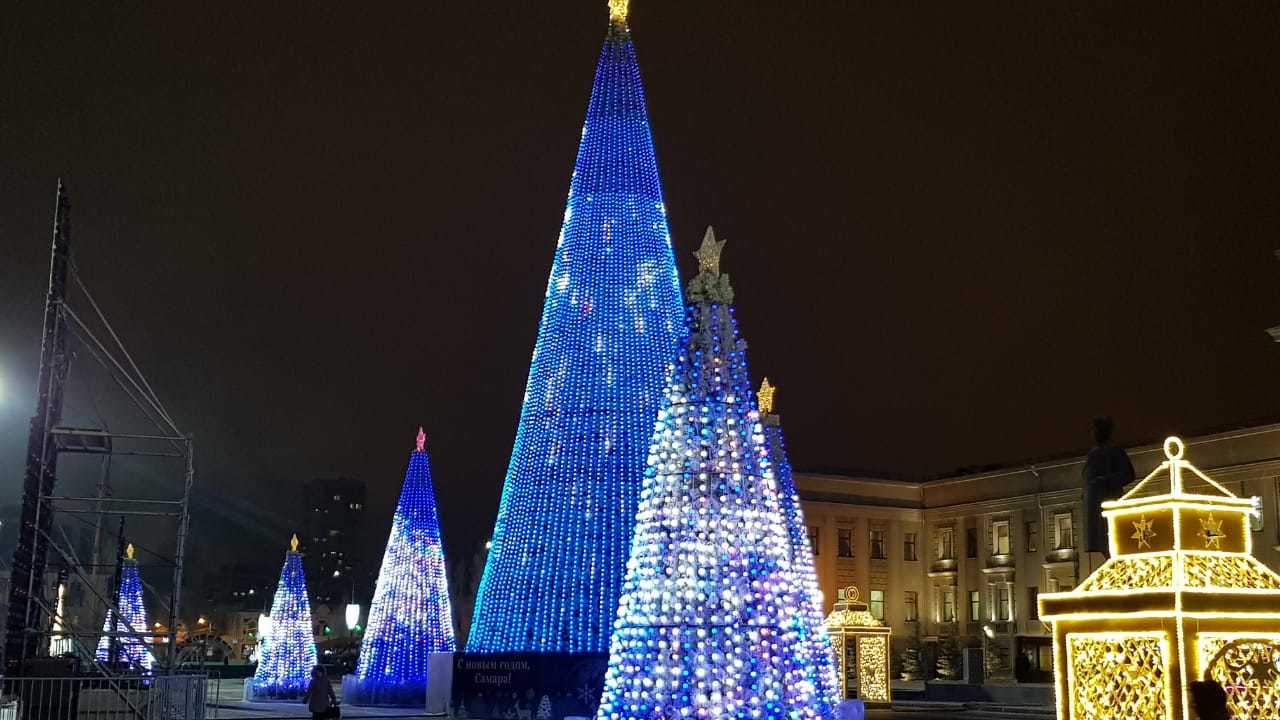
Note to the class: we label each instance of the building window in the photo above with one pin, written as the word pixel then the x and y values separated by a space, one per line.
pixel 844 542
pixel 909 546
pixel 911 607
pixel 813 539
pixel 1033 604
pixel 1003 610
pixel 946 544
pixel 876 605
pixel 971 542
pixel 1062 536
pixel 948 609
pixel 975 606
pixel 877 544
pixel 1000 537
pixel 1033 535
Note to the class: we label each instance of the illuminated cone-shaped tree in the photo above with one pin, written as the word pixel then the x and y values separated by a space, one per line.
pixel 410 617
pixel 820 661
pixel 610 323
pixel 709 621
pixel 122 633
pixel 284 670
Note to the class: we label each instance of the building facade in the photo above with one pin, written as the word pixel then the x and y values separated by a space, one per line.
pixel 331 546
pixel 964 557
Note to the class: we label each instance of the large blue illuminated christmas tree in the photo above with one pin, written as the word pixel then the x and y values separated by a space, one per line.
pixel 410 617
pixel 284 668
pixel 711 623
pixel 610 325
pixel 817 649
pixel 123 632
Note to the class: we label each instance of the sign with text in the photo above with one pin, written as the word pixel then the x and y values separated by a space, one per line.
pixel 527 685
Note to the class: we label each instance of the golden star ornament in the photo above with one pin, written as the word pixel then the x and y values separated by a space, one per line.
pixel 1142 532
pixel 1211 533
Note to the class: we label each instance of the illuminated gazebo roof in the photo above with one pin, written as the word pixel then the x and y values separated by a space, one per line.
pixel 850 613
pixel 1166 539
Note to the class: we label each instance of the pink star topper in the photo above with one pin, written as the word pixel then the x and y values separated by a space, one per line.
pixel 422 440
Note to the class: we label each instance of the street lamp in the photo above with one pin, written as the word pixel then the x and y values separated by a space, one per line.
pixel 353 616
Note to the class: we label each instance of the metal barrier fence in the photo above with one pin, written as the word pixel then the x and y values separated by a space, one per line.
pixel 169 697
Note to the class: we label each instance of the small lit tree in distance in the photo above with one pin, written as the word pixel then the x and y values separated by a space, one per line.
pixel 409 618
pixel 819 654
pixel 284 667
pixel 709 624
pixel 125 630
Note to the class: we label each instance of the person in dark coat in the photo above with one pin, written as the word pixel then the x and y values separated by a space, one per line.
pixel 321 701
pixel 1209 700
pixel 1106 472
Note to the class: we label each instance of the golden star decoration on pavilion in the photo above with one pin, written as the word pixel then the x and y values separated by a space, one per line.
pixel 765 396
pixel 618 10
pixel 1142 532
pixel 1211 532
pixel 709 253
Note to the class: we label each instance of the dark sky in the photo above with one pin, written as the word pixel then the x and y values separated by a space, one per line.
pixel 956 230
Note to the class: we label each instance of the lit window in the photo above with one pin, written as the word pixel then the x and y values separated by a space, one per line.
pixel 1063 537
pixel 946 544
pixel 877 544
pixel 813 538
pixel 948 605
pixel 1000 537
pixel 876 605
pixel 844 542
pixel 337 498
pixel 909 546
pixel 975 606
pixel 1003 610
pixel 911 607
pixel 1033 535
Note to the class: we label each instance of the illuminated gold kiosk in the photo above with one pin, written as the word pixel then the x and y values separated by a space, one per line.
pixel 862 644
pixel 1181 599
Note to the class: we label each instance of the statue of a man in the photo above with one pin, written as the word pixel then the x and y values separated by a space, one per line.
pixel 1106 471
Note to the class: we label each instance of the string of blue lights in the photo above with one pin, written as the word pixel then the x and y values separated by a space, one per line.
pixel 610 325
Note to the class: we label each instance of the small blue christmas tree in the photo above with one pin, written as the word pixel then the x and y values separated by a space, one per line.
pixel 122 633
pixel 711 624
pixel 410 617
pixel 284 667
pixel 819 654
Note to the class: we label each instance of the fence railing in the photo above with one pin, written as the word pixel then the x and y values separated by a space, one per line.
pixel 168 697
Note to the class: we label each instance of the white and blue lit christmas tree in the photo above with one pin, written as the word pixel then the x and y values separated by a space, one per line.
pixel 123 633
pixel 284 668
pixel 820 655
pixel 610 325
pixel 410 617
pixel 711 624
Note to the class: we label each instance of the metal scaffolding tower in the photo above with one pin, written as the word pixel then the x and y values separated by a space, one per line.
pixel 33 616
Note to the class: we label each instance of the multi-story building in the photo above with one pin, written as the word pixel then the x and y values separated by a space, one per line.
pixel 965 556
pixel 335 519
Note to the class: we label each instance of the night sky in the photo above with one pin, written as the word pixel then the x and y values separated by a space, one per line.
pixel 956 230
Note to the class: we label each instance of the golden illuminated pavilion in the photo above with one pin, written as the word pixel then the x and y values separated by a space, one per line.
pixel 1181 599
pixel 861 643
